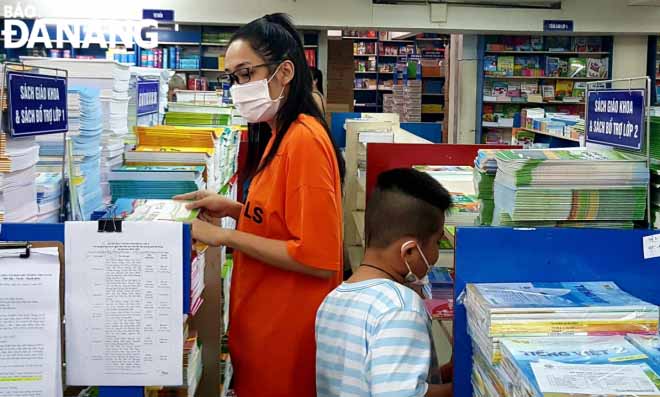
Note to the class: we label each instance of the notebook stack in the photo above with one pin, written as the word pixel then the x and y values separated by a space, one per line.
pixel 215 149
pixel 441 304
pixel 18 189
pixel 571 187
pixel 112 79
pixel 485 168
pixel 602 366
pixel 162 76
pixel 49 196
pixel 648 344
pixel 458 180
pixel 155 182
pixel 195 115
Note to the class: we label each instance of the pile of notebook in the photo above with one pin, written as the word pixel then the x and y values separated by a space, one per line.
pixel 458 180
pixel 515 325
pixel 591 187
pixel 485 168
pixel 18 193
pixel 155 182
pixel 196 115
pixel 112 80
pixel 440 305
pixel 215 149
pixel 49 196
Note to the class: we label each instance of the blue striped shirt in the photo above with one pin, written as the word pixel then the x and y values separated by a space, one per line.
pixel 372 339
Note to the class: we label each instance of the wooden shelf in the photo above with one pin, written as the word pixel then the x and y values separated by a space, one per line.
pixel 551 134
pixel 513 52
pixel 542 78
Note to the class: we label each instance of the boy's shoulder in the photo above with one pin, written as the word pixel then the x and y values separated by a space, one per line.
pixel 378 297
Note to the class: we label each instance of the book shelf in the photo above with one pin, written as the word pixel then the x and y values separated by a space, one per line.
pixel 549 72
pixel 380 54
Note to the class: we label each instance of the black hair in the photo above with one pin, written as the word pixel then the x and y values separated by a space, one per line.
pixel 318 76
pixel 405 202
pixel 275 39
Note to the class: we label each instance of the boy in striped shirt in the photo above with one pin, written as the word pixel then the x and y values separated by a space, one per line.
pixel 372 332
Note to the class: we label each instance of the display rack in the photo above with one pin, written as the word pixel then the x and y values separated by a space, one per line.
pixel 55 233
pixel 487 255
pixel 519 55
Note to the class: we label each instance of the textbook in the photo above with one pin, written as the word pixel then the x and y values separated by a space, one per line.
pixel 648 344
pixel 585 366
pixel 154 210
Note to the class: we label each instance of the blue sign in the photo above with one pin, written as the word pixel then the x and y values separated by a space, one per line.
pixel 159 15
pixel 550 25
pixel 147 100
pixel 616 118
pixel 36 104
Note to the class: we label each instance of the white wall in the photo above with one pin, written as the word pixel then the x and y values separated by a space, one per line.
pixel 467 90
pixel 590 16
pixel 630 54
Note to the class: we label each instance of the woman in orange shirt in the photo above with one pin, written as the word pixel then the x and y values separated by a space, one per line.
pixel 289 234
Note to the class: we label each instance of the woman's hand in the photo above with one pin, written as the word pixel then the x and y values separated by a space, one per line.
pixel 212 205
pixel 209 234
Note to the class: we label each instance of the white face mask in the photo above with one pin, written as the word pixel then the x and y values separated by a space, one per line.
pixel 253 100
pixel 412 279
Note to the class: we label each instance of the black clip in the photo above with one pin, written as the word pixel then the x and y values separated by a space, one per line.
pixel 21 248
pixel 110 225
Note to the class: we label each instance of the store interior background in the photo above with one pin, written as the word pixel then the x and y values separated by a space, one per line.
pixel 630 22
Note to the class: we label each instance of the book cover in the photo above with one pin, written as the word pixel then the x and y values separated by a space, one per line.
pixel 580 44
pixel 490 65
pixel 548 92
pixel 160 210
pixel 536 43
pixel 513 89
pixel 558 43
pixel 577 67
pixel 564 88
pixel 500 88
pixel 527 89
pixel 604 68
pixel 552 67
pixel 505 65
pixel 648 344
pixel 579 89
pixel 563 68
pixel 594 44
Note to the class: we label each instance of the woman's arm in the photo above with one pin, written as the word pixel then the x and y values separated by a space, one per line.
pixel 269 251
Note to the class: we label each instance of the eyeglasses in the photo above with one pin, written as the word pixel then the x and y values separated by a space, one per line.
pixel 243 75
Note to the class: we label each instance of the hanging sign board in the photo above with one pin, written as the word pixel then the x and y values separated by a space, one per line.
pixel 36 104
pixel 550 25
pixel 616 118
pixel 147 100
pixel 159 15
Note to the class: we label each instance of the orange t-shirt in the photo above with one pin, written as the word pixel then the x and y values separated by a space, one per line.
pixel 297 199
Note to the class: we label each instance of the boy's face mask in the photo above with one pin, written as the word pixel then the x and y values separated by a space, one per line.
pixel 411 278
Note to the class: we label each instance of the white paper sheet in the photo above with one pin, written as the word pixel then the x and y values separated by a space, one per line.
pixel 124 300
pixel 597 379
pixel 29 326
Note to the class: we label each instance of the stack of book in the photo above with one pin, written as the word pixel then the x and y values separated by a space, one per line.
pixel 648 344
pixel 485 168
pixel 155 182
pixel 216 149
pixel 458 180
pixel 587 366
pixel 49 195
pixel 440 305
pixel 571 187
pixel 18 192
pixel 195 115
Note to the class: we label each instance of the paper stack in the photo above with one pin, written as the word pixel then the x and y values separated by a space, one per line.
pixel 155 182
pixel 576 185
pixel 412 106
pixel 441 304
pixel 195 115
pixel 137 73
pixel 198 97
pixel 112 79
pixel 498 311
pixel 18 192
pixel 458 180
pixel 216 149
pixel 49 195
pixel 648 344
pixel 586 366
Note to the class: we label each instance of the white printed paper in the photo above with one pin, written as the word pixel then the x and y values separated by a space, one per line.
pixel 29 326
pixel 651 245
pixel 124 300
pixel 597 379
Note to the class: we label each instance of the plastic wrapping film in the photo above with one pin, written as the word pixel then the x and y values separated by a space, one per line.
pixel 556 339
